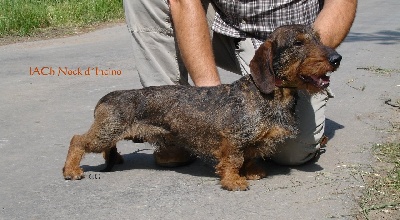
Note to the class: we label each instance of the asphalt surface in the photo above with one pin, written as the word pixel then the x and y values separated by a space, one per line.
pixel 40 113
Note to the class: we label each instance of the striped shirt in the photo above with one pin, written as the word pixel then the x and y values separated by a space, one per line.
pixel 258 18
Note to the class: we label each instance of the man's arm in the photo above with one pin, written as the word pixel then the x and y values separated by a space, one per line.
pixel 334 21
pixel 194 41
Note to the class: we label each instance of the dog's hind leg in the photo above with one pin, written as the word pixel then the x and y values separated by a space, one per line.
pixel 106 130
pixel 71 170
pixel 94 141
pixel 112 157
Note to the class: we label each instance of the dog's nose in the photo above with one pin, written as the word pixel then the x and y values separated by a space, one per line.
pixel 335 59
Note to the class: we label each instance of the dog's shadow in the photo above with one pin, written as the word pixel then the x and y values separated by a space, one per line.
pixel 203 168
pixel 143 159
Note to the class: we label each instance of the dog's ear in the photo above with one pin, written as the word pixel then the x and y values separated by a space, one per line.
pixel 261 68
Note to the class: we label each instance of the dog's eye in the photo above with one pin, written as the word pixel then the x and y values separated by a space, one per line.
pixel 298 43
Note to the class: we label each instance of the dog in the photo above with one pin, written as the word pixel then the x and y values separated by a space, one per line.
pixel 235 124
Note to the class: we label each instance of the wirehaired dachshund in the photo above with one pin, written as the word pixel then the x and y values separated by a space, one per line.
pixel 232 123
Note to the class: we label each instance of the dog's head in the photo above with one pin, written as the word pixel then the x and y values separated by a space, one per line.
pixel 293 56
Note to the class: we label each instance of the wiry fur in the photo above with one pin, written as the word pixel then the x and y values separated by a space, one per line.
pixel 234 124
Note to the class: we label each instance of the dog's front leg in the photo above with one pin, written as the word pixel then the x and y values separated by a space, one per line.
pixel 230 178
pixel 230 162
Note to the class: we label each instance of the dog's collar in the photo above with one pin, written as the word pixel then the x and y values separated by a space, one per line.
pixel 281 83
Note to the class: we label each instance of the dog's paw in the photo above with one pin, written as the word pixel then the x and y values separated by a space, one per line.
pixel 253 170
pixel 73 174
pixel 235 184
pixel 256 174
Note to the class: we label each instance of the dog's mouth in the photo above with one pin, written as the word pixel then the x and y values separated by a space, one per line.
pixel 318 81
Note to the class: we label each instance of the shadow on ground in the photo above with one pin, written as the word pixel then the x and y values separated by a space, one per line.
pixel 385 37
pixel 141 159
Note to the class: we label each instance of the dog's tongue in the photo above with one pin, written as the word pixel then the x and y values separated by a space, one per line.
pixel 322 82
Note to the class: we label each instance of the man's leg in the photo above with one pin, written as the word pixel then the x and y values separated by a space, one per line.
pixel 154 48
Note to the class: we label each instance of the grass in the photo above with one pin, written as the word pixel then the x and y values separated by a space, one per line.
pixel 26 17
pixel 379 70
pixel 383 188
pixel 390 153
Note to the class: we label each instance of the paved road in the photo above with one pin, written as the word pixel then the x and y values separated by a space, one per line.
pixel 39 115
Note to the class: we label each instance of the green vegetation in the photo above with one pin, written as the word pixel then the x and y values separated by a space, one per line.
pixel 25 17
pixel 379 70
pixel 390 153
pixel 383 188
